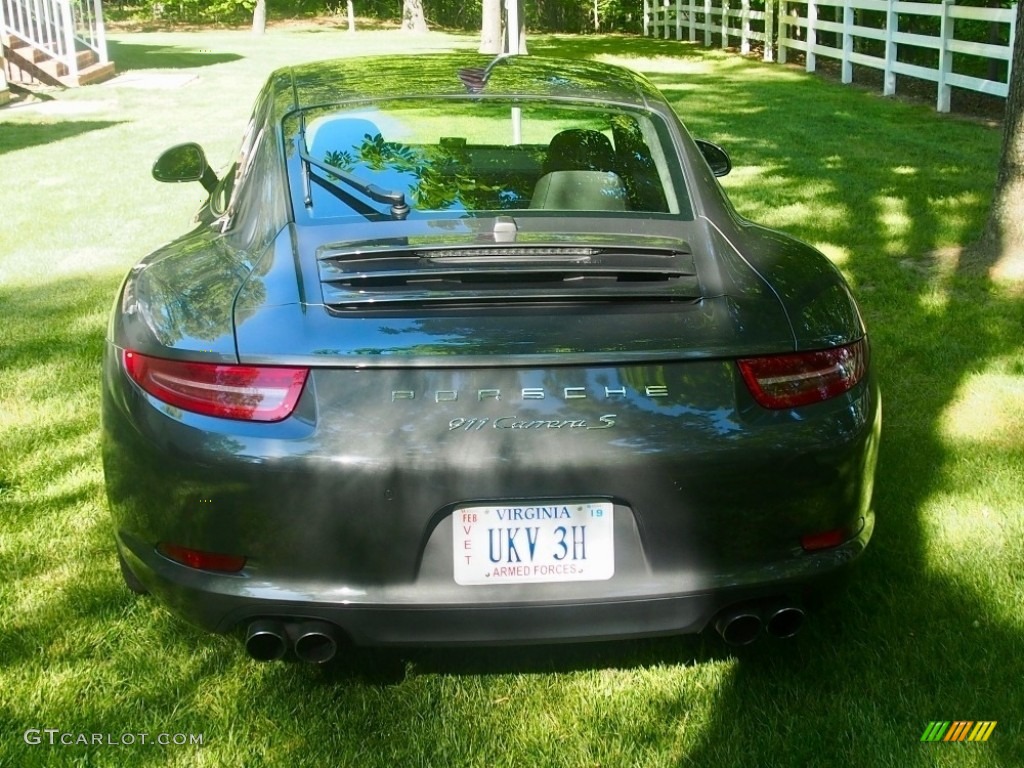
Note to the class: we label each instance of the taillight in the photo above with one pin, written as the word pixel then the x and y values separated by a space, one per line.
pixel 245 392
pixel 204 561
pixel 787 381
pixel 815 542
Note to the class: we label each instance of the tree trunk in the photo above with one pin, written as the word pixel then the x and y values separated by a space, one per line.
pixel 259 17
pixel 413 19
pixel 1002 244
pixel 517 19
pixel 490 27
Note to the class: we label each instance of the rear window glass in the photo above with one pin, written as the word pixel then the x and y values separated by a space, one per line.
pixel 481 155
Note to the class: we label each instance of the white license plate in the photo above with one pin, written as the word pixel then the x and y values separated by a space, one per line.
pixel 527 542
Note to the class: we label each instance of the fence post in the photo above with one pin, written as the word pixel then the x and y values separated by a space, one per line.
pixel 1013 36
pixel 744 26
pixel 945 57
pixel 664 19
pixel 707 23
pixel 647 13
pixel 891 20
pixel 679 19
pixel 725 23
pixel 100 31
pixel 693 21
pixel 769 30
pixel 847 41
pixel 783 30
pixel 812 35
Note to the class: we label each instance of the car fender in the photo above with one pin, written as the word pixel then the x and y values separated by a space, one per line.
pixel 177 303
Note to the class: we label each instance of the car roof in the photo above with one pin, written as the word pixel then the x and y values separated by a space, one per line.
pixel 438 75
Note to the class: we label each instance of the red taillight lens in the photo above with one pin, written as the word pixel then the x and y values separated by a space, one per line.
pixel 787 381
pixel 204 561
pixel 814 542
pixel 245 392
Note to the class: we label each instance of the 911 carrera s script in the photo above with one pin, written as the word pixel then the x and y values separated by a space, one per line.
pixel 533 542
pixel 607 421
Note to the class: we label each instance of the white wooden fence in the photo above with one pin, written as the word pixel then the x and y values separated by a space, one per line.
pixel 783 25
pixel 713 17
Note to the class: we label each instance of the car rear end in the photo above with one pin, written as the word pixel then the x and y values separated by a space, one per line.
pixel 457 424
pixel 498 470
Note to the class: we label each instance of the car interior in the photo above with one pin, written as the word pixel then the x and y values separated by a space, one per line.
pixel 577 169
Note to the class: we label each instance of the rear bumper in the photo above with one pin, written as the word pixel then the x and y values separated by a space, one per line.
pixel 345 514
pixel 224 604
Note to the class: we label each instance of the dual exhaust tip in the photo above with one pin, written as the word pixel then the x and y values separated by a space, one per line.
pixel 315 642
pixel 742 624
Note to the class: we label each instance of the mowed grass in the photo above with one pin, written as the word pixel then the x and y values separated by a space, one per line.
pixel 931 628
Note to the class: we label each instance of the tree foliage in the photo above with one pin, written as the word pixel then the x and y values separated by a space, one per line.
pixel 190 11
pixel 435 174
pixel 540 15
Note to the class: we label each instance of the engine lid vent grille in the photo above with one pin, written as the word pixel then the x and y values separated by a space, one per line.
pixel 505 275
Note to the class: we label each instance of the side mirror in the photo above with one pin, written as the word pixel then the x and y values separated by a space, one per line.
pixel 717 158
pixel 185 162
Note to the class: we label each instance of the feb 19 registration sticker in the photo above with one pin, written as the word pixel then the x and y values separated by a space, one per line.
pixel 533 542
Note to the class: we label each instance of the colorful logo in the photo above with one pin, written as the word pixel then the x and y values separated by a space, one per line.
pixel 959 730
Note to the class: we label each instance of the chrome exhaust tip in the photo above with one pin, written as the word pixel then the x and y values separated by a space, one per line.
pixel 784 620
pixel 266 640
pixel 316 642
pixel 739 625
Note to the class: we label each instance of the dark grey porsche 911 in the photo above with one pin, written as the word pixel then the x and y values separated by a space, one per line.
pixel 470 352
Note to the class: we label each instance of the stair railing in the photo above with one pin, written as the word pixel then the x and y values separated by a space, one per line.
pixel 58 28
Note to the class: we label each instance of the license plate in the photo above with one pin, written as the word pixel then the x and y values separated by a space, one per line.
pixel 533 542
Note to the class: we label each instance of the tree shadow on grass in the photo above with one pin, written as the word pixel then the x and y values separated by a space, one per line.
pixel 339 23
pixel 77 651
pixel 584 47
pixel 50 344
pixel 391 666
pixel 131 56
pixel 15 135
pixel 916 637
pixel 911 641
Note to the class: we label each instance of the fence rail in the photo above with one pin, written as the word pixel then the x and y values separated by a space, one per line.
pixel 714 17
pixel 868 33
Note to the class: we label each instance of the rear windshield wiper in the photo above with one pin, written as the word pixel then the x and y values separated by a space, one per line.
pixel 399 208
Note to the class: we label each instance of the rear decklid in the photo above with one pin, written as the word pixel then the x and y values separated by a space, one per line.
pixel 453 293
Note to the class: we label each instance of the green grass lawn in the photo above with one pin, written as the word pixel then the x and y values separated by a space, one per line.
pixel 932 627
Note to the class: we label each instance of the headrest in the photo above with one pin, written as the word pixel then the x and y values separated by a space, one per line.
pixel 579 191
pixel 579 149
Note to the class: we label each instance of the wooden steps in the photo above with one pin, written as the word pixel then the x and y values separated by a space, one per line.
pixel 26 63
